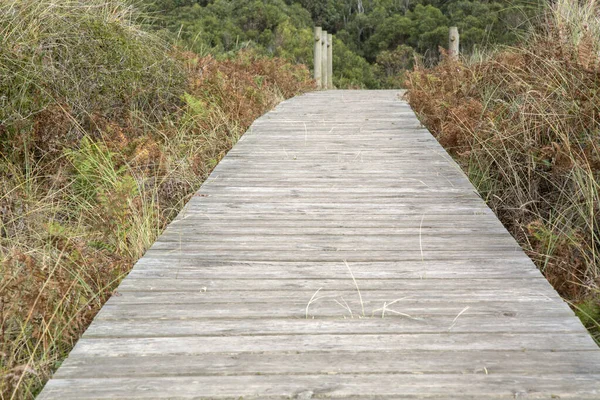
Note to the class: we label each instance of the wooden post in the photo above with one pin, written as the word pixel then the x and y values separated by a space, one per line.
pixel 324 79
pixel 454 46
pixel 318 56
pixel 330 61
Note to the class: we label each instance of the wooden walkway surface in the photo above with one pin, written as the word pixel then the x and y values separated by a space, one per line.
pixel 337 251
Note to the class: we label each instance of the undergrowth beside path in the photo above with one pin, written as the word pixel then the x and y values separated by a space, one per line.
pixel 524 123
pixel 105 132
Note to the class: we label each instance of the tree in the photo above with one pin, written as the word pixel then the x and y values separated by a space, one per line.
pixel 378 32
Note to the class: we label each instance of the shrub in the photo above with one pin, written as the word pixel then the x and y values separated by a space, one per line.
pixel 66 65
pixel 352 70
pixel 393 65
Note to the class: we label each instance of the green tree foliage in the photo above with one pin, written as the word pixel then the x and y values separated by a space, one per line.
pixel 369 31
pixel 294 43
pixel 353 71
pixel 423 25
pixel 221 26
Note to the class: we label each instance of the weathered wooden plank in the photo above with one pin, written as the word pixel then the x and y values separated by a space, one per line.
pixel 465 362
pixel 465 269
pixel 449 341
pixel 211 200
pixel 416 286
pixel 466 323
pixel 370 298
pixel 181 270
pixel 341 219
pixel 415 222
pixel 314 255
pixel 423 308
pixel 258 244
pixel 473 386
pixel 188 232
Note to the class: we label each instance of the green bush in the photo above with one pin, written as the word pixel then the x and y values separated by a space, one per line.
pixel 79 61
pixel 352 70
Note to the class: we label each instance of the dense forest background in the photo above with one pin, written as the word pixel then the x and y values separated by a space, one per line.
pixel 375 40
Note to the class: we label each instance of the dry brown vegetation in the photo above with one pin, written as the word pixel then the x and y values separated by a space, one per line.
pixel 105 132
pixel 524 123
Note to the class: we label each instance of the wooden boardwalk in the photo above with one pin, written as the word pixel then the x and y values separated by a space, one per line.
pixel 337 251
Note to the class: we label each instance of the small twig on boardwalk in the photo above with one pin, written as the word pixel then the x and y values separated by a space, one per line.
pixel 421 237
pixel 311 300
pixel 459 314
pixel 400 313
pixel 386 305
pixel 305 134
pixel 346 306
pixel 362 306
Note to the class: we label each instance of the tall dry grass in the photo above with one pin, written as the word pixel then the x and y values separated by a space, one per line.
pixel 523 123
pixel 105 132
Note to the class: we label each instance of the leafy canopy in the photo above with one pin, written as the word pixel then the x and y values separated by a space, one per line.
pixel 367 30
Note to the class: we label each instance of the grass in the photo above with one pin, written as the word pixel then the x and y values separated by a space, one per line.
pixel 362 306
pixel 339 300
pixel 105 132
pixel 523 124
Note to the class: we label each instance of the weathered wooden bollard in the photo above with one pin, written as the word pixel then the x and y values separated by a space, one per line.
pixel 330 61
pixel 324 67
pixel 454 45
pixel 318 56
pixel 323 63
